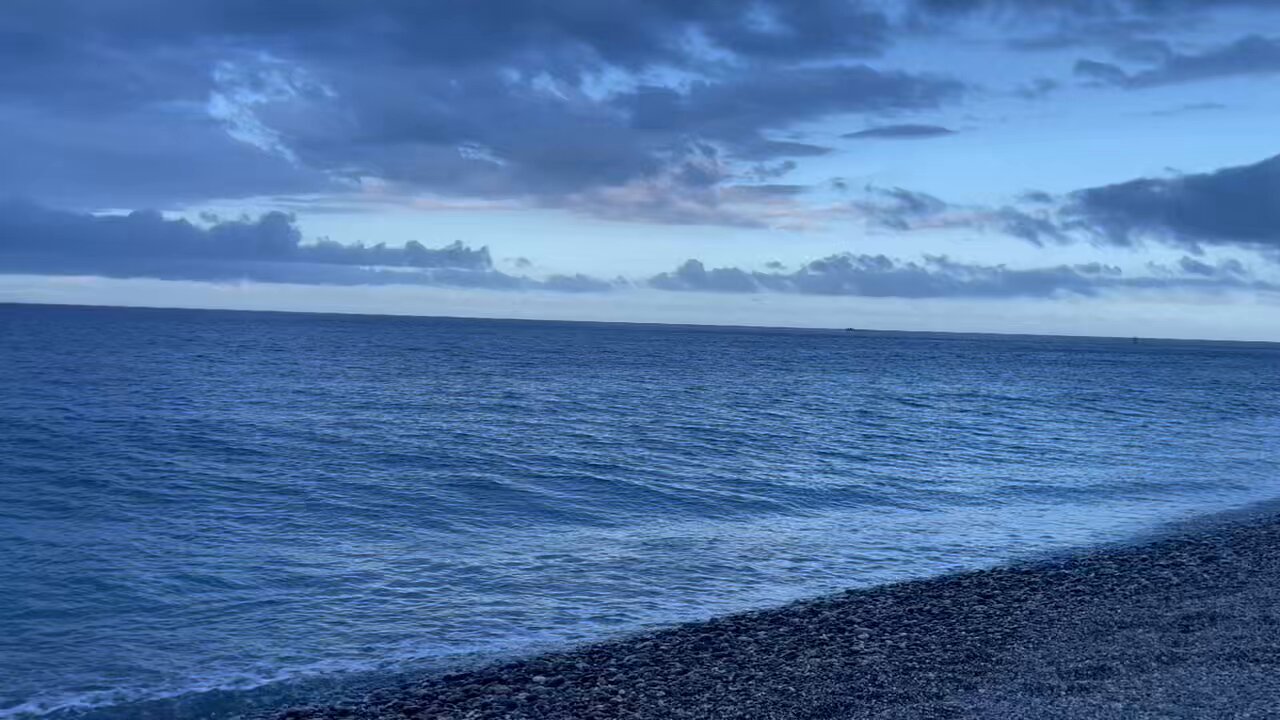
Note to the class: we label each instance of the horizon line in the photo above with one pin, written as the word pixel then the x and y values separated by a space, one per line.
pixel 636 323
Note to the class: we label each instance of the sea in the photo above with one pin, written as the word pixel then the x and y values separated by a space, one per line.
pixel 206 514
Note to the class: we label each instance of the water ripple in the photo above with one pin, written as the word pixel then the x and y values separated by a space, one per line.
pixel 192 501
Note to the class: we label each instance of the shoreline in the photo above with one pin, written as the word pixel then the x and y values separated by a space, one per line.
pixel 1184 622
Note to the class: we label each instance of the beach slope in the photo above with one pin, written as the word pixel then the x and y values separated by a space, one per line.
pixel 1186 625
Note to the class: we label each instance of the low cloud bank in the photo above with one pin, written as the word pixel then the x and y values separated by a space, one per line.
pixel 40 241
pixel 848 274
pixel 270 248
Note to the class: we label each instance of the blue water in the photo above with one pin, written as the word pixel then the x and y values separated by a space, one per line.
pixel 193 501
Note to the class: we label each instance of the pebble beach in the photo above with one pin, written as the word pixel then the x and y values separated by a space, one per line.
pixel 1183 625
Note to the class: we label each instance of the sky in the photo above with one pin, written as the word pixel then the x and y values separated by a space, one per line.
pixel 1087 167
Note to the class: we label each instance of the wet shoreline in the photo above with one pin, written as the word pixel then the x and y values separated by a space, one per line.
pixel 1184 624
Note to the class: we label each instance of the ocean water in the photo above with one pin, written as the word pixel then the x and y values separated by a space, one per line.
pixel 200 511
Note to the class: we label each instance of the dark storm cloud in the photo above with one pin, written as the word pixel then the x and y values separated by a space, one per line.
pixel 507 99
pixel 939 277
pixel 36 240
pixel 1250 55
pixel 901 132
pixel 1233 206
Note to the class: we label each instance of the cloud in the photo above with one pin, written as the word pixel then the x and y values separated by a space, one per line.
pixel 695 193
pixel 35 240
pixel 848 274
pixel 1225 268
pixel 1038 197
pixel 1037 89
pixel 1189 108
pixel 142 158
pixel 1232 206
pixel 646 131
pixel 1247 56
pixel 270 249
pixel 1055 25
pixel 538 102
pixel 81 45
pixel 900 209
pixel 904 210
pixel 551 142
pixel 1115 9
pixel 665 111
pixel 900 132
pixel 738 107
pixel 1229 207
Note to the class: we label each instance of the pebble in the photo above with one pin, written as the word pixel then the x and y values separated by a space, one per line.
pixel 1041 640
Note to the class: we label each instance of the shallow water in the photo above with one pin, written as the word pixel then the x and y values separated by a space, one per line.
pixel 199 500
